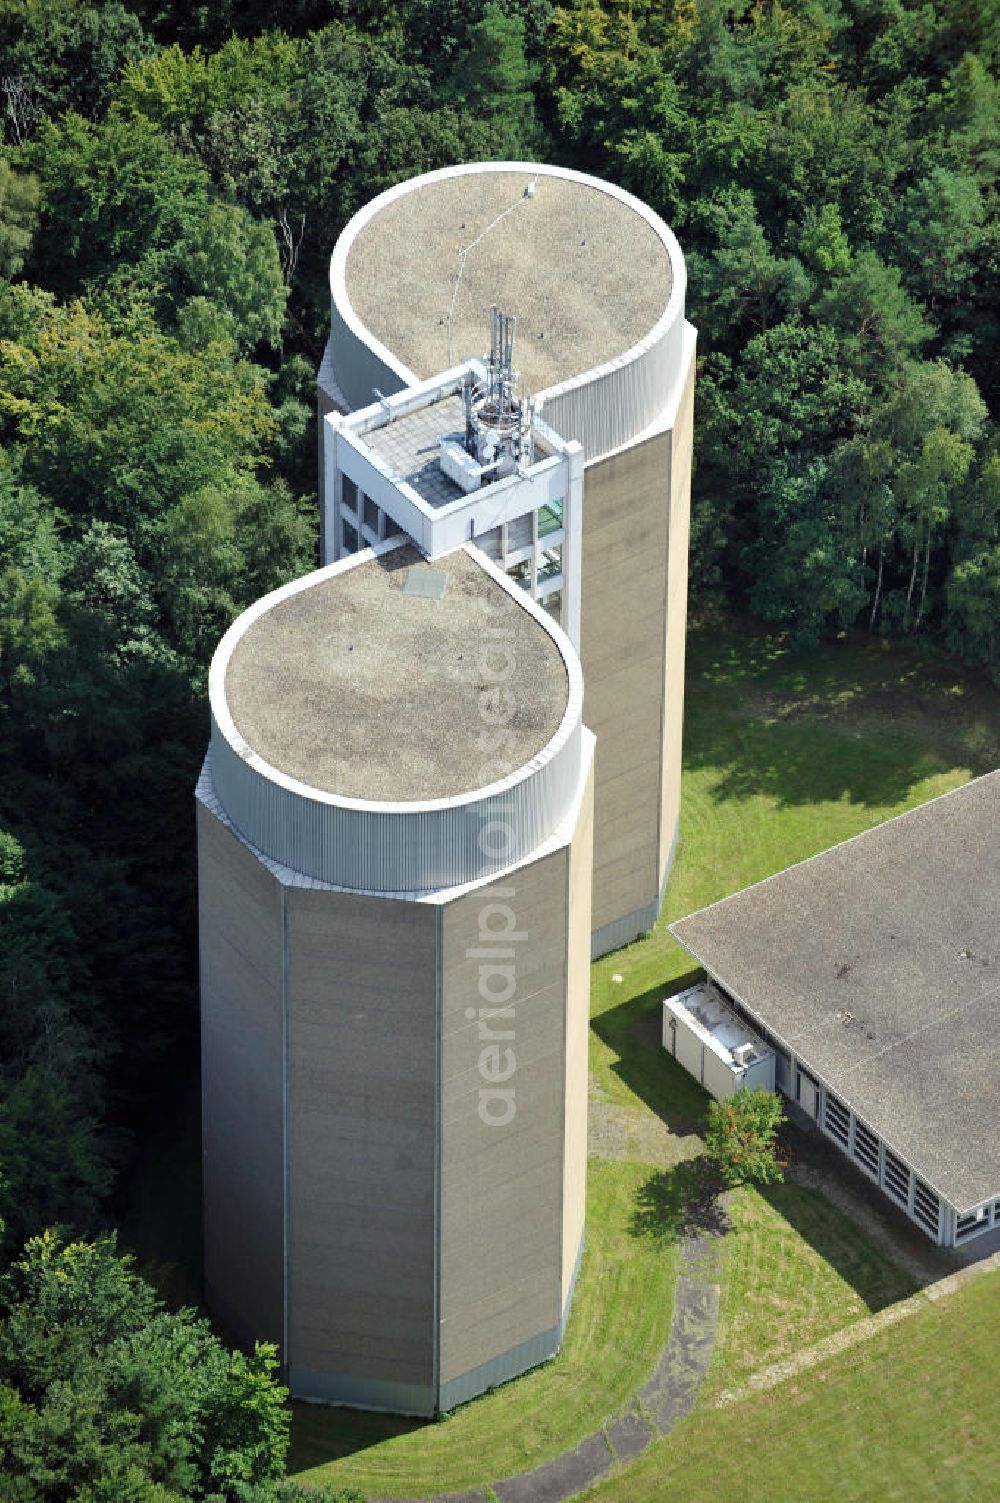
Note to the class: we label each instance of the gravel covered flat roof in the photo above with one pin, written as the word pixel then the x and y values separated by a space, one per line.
pixel 357 686
pixel 584 274
pixel 878 964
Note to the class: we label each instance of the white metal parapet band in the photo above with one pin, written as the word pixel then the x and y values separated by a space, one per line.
pixel 394 847
pixel 603 408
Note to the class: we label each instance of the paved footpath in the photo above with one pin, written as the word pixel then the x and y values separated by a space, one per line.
pixel 667 1397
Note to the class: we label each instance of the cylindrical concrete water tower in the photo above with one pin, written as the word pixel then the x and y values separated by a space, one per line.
pixel 395 915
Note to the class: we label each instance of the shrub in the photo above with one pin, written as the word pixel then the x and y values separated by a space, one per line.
pixel 742 1137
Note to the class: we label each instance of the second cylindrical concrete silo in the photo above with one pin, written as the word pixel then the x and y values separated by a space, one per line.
pixel 395 839
pixel 597 283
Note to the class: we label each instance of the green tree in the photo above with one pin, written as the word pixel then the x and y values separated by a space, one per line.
pixel 823 246
pixel 972 589
pixel 53 1165
pixel 180 90
pixel 493 80
pixel 616 103
pixel 243 111
pixel 938 235
pixel 809 575
pixel 110 597
pixel 792 393
pixel 31 566
pixel 741 1137
pixel 115 420
pixel 63 55
pixel 116 200
pixel 104 1385
pixel 930 426
pixel 29 630
pixel 232 263
pixel 880 324
pixel 744 286
pixel 18 216
pixel 964 120
pixel 122 209
pixel 828 143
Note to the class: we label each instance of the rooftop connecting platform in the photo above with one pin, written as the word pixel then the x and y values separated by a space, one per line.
pixel 391 452
pixel 410 447
pixel 877 964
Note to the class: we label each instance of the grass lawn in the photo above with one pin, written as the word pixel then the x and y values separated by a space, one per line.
pixel 911 1416
pixel 794 1269
pixel 619 1323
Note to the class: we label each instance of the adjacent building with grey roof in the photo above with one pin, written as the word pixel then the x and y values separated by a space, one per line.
pixel 874 971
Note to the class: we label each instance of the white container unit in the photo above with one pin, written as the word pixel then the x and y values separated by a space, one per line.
pixel 715 1045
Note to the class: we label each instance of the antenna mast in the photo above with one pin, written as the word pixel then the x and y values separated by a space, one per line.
pixel 497 425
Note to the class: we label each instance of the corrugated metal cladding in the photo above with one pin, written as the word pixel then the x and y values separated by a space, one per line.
pixel 500 1369
pixel 612 408
pixel 405 850
pixel 356 367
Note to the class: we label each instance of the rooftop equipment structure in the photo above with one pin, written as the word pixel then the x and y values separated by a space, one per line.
pixel 498 426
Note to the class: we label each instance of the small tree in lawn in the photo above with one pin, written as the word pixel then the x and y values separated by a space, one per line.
pixel 742 1137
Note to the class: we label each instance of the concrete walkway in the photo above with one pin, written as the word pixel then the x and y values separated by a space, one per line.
pixel 667 1397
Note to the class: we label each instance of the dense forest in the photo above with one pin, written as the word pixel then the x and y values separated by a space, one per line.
pixel 172 180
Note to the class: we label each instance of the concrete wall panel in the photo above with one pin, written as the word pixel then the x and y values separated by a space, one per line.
pixel 624 598
pixel 429 1250
pixel 682 440
pixel 362 988
pixel 501 1185
pixel 577 1039
pixel 241 944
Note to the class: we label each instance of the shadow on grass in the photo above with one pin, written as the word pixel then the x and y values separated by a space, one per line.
pixel 321 1434
pixel 674 1204
pixel 633 1032
pixel 864 720
pixel 841 1243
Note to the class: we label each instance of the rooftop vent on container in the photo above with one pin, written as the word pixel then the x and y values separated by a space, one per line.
pixel 498 425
